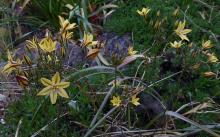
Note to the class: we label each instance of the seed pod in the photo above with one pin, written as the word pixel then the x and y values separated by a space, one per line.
pixel 22 80
pixel 209 74
pixel 176 12
pixel 196 66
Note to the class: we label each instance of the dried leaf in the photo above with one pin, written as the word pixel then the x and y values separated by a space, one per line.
pixel 93 53
pixel 199 107
pixel 130 59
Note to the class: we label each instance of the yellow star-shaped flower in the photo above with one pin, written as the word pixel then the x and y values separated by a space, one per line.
pixel 88 40
pixel 65 25
pixel 176 44
pixel 144 11
pixel 47 44
pixel 181 31
pixel 116 101
pixel 207 44
pixel 32 44
pixel 54 87
pixel 134 100
pixel 212 58
pixel 11 65
pixel 131 51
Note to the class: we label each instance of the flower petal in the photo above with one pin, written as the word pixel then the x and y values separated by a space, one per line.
pixel 136 103
pixel 93 43
pixel 63 93
pixel 56 78
pixel 134 100
pixel 61 20
pixel 184 37
pixel 45 91
pixel 46 82
pixel 8 68
pixel 53 97
pixel 139 12
pixel 181 25
pixel 72 26
pixel 63 84
pixel 185 31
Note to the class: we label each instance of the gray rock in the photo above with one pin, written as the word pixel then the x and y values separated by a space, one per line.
pixel 115 45
pixel 148 109
pixel 76 56
pixel 3 98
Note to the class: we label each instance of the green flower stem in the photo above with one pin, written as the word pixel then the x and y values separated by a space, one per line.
pixel 102 105
pixel 100 121
pixel 58 116
pixel 129 117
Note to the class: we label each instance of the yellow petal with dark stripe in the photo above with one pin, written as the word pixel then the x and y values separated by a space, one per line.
pixel 56 78
pixel 46 82
pixel 53 97
pixel 63 84
pixel 45 91
pixel 63 93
